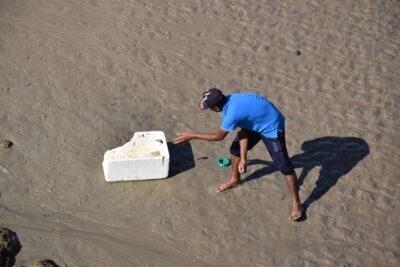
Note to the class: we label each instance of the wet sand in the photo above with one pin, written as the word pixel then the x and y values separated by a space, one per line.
pixel 78 78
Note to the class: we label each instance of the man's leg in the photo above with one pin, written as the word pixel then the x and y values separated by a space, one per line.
pixel 291 181
pixel 278 151
pixel 234 181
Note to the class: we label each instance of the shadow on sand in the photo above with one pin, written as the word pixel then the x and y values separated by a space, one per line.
pixel 335 155
pixel 181 158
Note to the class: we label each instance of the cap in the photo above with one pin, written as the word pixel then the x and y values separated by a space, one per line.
pixel 211 98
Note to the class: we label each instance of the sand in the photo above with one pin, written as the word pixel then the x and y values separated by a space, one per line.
pixel 78 78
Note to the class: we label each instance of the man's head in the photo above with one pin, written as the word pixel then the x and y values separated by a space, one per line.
pixel 212 99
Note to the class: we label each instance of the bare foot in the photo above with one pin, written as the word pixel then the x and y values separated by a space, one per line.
pixel 227 185
pixel 297 211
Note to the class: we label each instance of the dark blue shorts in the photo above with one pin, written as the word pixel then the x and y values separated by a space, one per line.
pixel 275 146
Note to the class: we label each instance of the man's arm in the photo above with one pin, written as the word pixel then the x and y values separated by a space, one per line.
pixel 186 137
pixel 243 142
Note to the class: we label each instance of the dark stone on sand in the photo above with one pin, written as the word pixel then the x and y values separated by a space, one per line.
pixel 298 53
pixel 5 143
pixel 9 247
pixel 43 263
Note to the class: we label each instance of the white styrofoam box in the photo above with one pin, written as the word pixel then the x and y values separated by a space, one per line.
pixel 145 156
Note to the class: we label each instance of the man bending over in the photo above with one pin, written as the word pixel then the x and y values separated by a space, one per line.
pixel 256 118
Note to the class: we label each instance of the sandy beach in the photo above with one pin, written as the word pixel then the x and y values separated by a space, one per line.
pixel 78 78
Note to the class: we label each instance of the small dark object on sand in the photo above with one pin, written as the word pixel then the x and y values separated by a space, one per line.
pixel 205 157
pixel 298 53
pixel 5 143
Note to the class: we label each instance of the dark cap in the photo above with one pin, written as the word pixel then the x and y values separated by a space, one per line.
pixel 211 98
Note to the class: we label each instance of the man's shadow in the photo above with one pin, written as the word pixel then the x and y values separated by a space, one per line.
pixel 335 155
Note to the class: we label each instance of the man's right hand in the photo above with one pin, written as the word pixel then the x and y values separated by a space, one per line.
pixel 242 167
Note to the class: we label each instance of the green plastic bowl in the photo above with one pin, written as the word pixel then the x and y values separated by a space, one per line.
pixel 223 162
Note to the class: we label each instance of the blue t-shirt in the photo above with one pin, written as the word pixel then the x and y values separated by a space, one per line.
pixel 252 112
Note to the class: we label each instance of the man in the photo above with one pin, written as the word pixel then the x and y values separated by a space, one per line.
pixel 256 118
